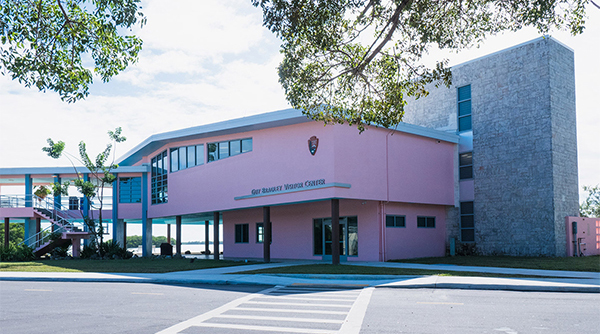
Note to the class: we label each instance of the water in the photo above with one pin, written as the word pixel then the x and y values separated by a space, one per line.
pixel 193 248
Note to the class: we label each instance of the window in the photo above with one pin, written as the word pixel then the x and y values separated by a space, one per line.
pixel 241 233
pixel 395 221
pixel 159 178
pixel 130 190
pixel 322 236
pixel 260 232
pixel 224 149
pixel 186 157
pixel 465 163
pixel 467 222
pixel 426 222
pixel 464 108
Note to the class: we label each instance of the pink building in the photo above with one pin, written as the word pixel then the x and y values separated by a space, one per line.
pixel 387 190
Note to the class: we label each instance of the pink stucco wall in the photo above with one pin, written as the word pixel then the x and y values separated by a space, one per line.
pixel 412 241
pixel 293 234
pixel 420 169
pixel 16 213
pixel 293 230
pixel 588 231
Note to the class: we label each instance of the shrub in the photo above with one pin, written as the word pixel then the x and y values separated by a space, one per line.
pixel 113 250
pixel 16 253
pixel 89 251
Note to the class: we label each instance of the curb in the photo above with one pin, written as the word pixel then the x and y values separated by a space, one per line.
pixel 387 285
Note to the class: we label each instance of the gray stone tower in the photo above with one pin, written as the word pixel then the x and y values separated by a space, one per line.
pixel 517 160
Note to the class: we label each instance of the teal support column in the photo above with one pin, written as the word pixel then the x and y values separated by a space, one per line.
pixel 115 209
pixel 28 191
pixel 145 239
pixel 57 199
pixel 29 232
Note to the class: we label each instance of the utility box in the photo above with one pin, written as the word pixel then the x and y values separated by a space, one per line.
pixel 166 249
pixel 583 236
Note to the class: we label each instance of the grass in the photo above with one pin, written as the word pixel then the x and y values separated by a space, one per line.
pixel 329 269
pixel 586 263
pixel 137 265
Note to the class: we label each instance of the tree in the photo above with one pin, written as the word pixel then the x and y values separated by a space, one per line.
pixel 100 176
pixel 16 231
pixel 357 61
pixel 591 206
pixel 47 43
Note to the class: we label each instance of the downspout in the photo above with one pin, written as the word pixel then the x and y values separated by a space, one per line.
pixel 382 204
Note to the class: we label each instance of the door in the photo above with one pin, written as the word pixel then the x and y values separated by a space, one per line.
pixel 328 239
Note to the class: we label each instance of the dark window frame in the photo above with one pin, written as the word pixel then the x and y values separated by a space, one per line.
pixel 184 160
pixel 464 101
pixel 158 182
pixel 398 221
pixel 260 232
pixel 215 154
pixel 465 170
pixel 467 213
pixel 428 221
pixel 242 233
pixel 130 189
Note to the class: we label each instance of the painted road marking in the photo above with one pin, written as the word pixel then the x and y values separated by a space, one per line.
pixel 284 309
pixel 258 317
pixel 258 309
pixel 297 304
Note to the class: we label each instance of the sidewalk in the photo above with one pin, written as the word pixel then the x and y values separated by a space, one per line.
pixel 550 281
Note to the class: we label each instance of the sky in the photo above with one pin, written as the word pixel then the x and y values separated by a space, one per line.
pixel 209 61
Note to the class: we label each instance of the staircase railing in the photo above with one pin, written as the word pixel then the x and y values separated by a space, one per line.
pixel 61 219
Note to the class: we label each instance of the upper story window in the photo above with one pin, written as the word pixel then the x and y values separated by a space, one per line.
pixel 465 163
pixel 159 178
pixel 186 157
pixel 464 108
pixel 130 190
pixel 224 149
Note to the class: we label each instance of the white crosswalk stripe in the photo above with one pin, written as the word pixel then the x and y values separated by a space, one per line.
pixel 292 309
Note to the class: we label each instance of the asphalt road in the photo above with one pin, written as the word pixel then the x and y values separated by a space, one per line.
pixel 54 307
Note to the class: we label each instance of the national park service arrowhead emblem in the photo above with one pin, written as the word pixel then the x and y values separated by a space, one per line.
pixel 313 143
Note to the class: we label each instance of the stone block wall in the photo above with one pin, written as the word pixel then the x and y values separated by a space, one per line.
pixel 524 145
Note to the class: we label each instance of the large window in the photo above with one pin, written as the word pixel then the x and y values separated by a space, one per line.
pixel 130 190
pixel 224 149
pixel 159 178
pixel 186 157
pixel 322 236
pixel 467 222
pixel 241 233
pixel 464 108
pixel 465 161
pixel 426 222
pixel 395 221
pixel 260 232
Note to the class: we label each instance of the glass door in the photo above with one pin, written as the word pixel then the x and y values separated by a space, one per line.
pixel 328 239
